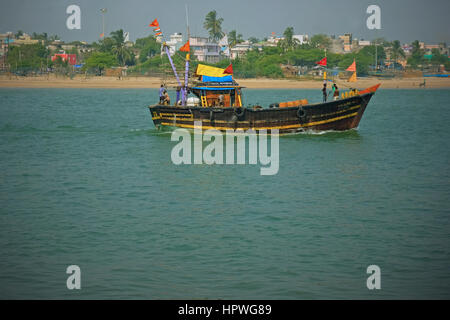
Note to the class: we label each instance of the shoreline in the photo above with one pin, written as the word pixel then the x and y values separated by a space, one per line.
pixel 258 83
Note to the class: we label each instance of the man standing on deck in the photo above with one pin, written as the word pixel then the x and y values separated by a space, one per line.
pixel 335 92
pixel 221 100
pixel 161 94
pixel 324 91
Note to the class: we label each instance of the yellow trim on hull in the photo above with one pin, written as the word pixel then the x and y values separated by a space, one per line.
pixel 291 126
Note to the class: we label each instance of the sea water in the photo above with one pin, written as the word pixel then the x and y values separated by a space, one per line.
pixel 87 180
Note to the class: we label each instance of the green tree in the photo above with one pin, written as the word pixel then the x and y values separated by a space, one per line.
pixel 27 57
pixel 148 47
pixel 42 36
pixel 18 34
pixel 118 48
pixel 213 25
pixel 253 40
pixel 417 53
pixel 320 41
pixel 54 37
pixel 396 50
pixel 100 61
pixel 289 42
pixel 234 38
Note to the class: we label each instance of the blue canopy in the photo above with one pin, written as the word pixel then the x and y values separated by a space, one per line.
pixel 217 79
pixel 209 88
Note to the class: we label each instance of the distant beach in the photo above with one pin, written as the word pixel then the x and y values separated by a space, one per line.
pixel 258 83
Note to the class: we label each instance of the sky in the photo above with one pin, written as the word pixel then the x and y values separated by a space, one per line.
pixel 404 20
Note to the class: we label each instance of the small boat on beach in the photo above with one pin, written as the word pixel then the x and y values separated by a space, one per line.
pixel 218 105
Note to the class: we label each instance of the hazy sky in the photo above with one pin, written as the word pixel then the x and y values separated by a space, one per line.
pixel 406 20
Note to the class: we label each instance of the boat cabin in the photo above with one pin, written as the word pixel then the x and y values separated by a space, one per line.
pixel 218 92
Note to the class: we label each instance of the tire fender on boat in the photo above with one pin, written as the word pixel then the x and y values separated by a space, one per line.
pixel 239 112
pixel 301 113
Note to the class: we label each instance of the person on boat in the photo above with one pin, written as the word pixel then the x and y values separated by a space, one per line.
pixel 166 98
pixel 178 95
pixel 161 94
pixel 221 100
pixel 335 92
pixel 324 92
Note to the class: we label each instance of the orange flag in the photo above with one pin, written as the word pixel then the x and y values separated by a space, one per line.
pixel 186 47
pixel 102 35
pixel 322 62
pixel 352 67
pixel 352 77
pixel 229 69
pixel 154 24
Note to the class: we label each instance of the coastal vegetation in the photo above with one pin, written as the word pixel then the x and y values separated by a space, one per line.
pixel 144 56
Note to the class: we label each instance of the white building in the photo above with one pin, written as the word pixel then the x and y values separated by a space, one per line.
pixel 175 42
pixel 205 50
pixel 364 43
pixel 302 38
pixel 240 49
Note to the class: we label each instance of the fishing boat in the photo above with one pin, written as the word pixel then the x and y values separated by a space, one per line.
pixel 217 103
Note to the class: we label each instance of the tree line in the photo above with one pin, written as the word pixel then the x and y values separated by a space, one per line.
pixel 144 56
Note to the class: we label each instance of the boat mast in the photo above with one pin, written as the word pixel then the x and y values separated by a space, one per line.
pixel 166 49
pixel 186 73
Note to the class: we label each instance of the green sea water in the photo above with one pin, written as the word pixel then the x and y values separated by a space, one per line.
pixel 85 179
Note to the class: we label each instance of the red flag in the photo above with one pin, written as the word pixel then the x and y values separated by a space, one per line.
pixel 322 62
pixel 154 24
pixel 229 69
pixel 186 47
pixel 102 35
pixel 352 67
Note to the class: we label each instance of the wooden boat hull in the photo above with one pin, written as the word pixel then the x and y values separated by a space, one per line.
pixel 342 114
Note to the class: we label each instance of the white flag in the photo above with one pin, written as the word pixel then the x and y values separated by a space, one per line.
pixel 224 41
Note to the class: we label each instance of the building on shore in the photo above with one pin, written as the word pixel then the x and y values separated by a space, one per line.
pixel 302 38
pixel 204 50
pixel 175 42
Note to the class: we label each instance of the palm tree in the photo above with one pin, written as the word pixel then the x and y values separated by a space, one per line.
pixel 213 25
pixel 119 49
pixel 397 50
pixel 234 38
pixel 289 41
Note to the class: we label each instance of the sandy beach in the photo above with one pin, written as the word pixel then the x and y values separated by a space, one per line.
pixel 153 82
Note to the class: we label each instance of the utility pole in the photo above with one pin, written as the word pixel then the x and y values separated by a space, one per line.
pixel 376 56
pixel 103 11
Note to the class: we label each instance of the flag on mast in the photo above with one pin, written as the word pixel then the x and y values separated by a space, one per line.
pixel 352 67
pixel 352 77
pixel 186 47
pixel 229 69
pixel 154 24
pixel 322 62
